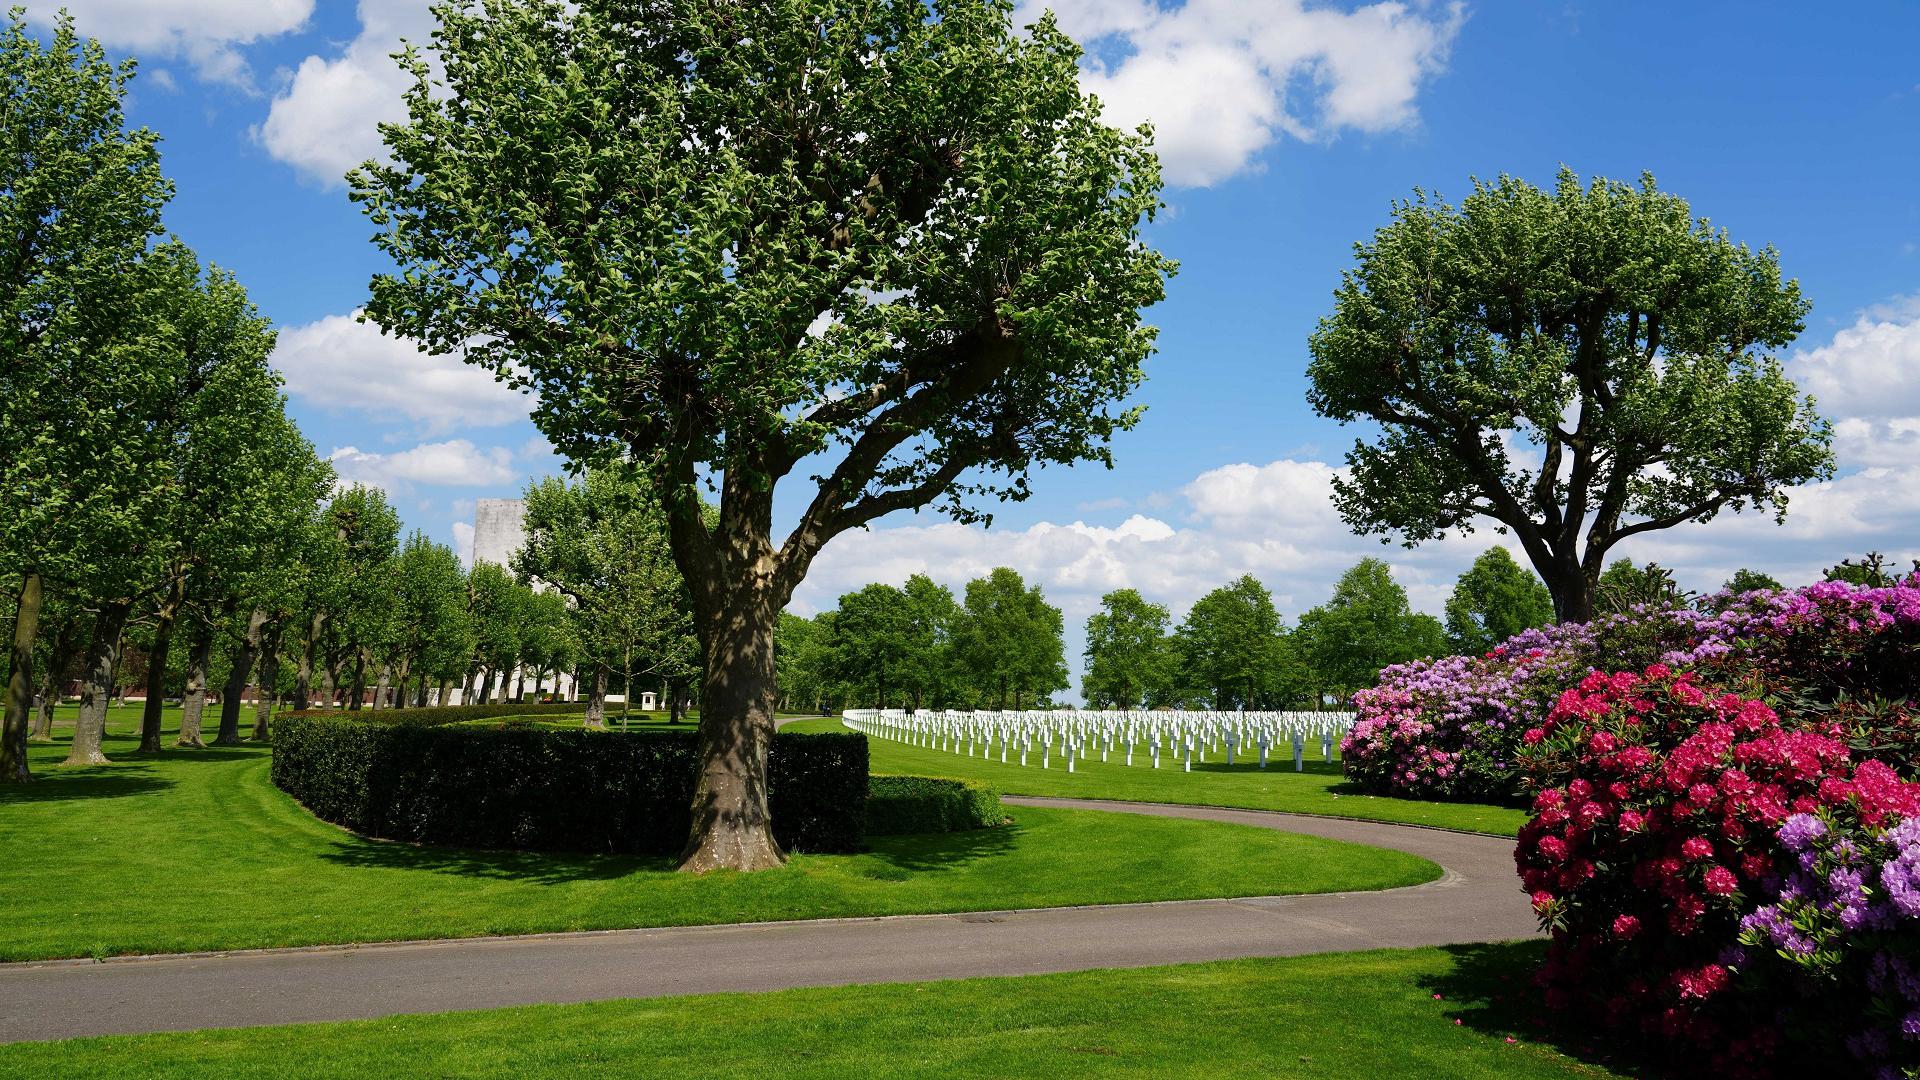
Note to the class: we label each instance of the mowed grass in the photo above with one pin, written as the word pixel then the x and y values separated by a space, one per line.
pixel 1320 789
pixel 195 849
pixel 1370 1014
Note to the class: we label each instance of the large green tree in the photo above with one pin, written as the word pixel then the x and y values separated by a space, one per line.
pixel 1367 624
pixel 80 197
pixel 1495 599
pixel 1128 657
pixel 891 240
pixel 1233 651
pixel 871 642
pixel 432 635
pixel 1579 366
pixel 1009 643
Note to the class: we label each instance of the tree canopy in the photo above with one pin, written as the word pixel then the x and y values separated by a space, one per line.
pixel 1128 658
pixel 1233 650
pixel 1495 599
pixel 1367 625
pixel 893 242
pixel 1579 366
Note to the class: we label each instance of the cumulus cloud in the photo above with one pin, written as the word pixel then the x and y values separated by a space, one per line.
pixel 1222 79
pixel 1219 79
pixel 327 119
pixel 454 463
pixel 339 362
pixel 463 542
pixel 207 33
pixel 1868 379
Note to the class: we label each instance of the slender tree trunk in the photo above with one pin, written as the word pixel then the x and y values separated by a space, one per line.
pixel 359 678
pixel 269 687
pixel 732 826
pixel 520 682
pixel 26 627
pixel 43 704
pixel 440 694
pixel 237 682
pixel 597 699
pixel 194 701
pixel 103 653
pixel 381 685
pixel 303 679
pixel 157 665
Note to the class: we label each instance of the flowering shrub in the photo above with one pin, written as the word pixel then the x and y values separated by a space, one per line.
pixel 1450 728
pixel 1656 834
pixel 1843 922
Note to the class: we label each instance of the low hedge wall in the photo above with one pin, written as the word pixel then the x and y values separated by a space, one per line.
pixel 927 804
pixel 431 715
pixel 537 790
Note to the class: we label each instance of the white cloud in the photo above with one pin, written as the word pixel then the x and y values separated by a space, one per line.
pixel 1867 379
pixel 327 119
pixel 339 362
pixel 208 33
pixel 1222 79
pixel 456 462
pixel 463 542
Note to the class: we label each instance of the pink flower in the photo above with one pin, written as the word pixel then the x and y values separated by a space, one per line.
pixel 1625 927
pixel 1719 881
pixel 1696 847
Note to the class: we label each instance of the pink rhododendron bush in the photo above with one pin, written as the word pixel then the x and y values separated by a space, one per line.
pixel 1725 881
pixel 1451 728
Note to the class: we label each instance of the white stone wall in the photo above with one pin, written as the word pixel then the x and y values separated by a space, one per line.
pixel 499 530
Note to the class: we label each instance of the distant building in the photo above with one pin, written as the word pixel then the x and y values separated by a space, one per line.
pixel 499 531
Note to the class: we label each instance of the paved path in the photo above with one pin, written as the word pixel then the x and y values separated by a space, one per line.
pixel 1475 900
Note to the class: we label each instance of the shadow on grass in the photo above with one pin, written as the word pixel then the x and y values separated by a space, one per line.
pixel 922 852
pixel 1490 990
pixel 57 784
pixel 541 868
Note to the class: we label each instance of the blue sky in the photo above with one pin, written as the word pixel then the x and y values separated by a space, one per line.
pixel 1287 132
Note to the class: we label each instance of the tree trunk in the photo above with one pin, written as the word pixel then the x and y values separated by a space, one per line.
pixel 520 682
pixel 381 685
pixel 440 693
pixel 194 701
pixel 597 699
pixel 43 705
pixel 359 679
pixel 26 627
pixel 303 678
pixel 269 687
pixel 237 682
pixel 103 653
pixel 732 826
pixel 157 665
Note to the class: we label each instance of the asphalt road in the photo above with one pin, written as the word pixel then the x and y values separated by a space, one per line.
pixel 1477 899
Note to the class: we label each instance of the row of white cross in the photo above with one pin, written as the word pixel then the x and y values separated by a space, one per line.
pixel 1074 734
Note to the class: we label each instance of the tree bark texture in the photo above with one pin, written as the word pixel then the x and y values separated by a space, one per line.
pixel 157 665
pixel 96 688
pixel 193 702
pixel 237 682
pixel 26 627
pixel 269 683
pixel 597 699
pixel 732 826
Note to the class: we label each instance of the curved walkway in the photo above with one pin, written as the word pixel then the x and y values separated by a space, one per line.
pixel 1476 899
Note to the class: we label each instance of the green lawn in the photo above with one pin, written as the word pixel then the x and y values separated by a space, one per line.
pixel 195 849
pixel 1370 1014
pixel 1321 789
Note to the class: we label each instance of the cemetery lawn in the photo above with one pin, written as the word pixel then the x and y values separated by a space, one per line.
pixel 1321 789
pixel 1381 1013
pixel 193 850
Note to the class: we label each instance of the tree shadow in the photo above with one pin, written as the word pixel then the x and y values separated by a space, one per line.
pixel 541 868
pixel 921 852
pixel 57 784
pixel 1490 990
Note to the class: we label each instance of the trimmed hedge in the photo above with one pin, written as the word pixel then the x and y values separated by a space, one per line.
pixel 928 804
pixel 431 715
pixel 537 790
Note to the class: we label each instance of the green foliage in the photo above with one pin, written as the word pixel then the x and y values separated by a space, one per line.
pixel 535 790
pixel 871 640
pixel 1129 661
pixel 898 805
pixel 1746 581
pixel 1625 586
pixel 1234 653
pixel 1009 643
pixel 1495 599
pixel 429 598
pixel 1873 571
pixel 1366 626
pixel 1603 330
